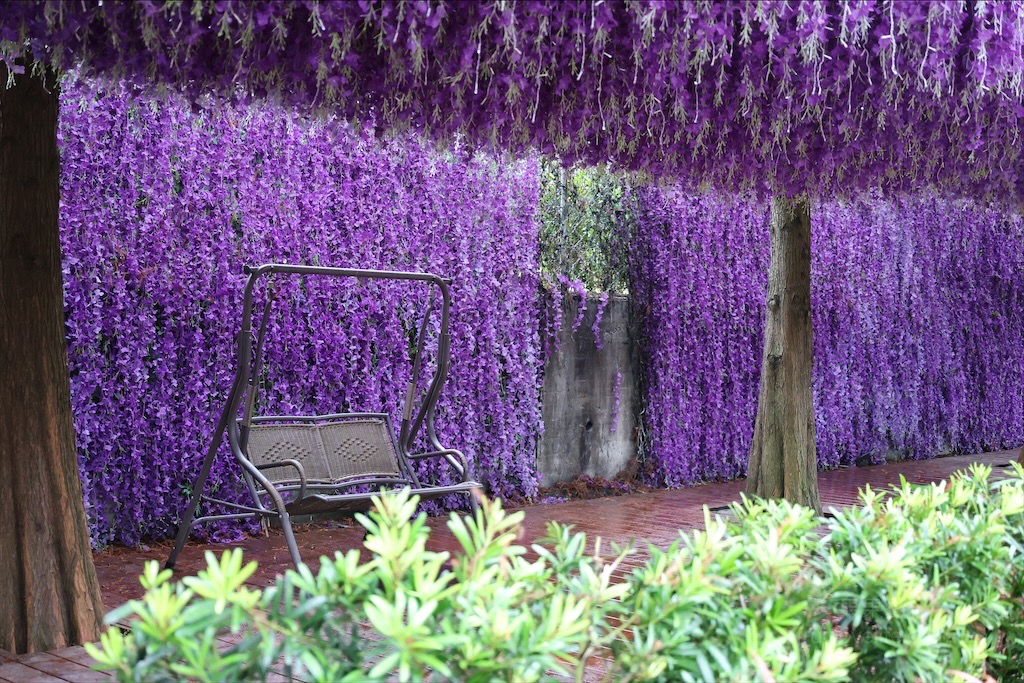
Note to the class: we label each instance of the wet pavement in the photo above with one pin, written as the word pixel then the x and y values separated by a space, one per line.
pixel 643 519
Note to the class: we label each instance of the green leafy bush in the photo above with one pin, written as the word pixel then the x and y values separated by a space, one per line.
pixel 927 579
pixel 400 613
pixel 919 583
pixel 739 601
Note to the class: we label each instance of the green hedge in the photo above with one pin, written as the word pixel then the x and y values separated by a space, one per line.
pixel 918 583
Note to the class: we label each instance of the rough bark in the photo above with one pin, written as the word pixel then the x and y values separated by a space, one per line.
pixel 783 460
pixel 49 596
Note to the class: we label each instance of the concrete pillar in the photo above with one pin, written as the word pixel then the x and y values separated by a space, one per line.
pixel 588 396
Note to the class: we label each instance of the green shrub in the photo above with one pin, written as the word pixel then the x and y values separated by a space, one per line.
pixel 494 615
pixel 920 576
pixel 919 583
pixel 586 215
pixel 735 602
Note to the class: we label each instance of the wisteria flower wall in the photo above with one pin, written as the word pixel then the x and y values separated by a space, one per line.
pixel 918 312
pixel 163 202
pixel 917 302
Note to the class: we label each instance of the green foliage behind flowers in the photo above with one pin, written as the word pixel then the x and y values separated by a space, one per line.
pixel 921 583
pixel 586 217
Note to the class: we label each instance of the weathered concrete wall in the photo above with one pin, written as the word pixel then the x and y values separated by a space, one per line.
pixel 588 397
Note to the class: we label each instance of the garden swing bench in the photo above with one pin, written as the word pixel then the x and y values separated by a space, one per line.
pixel 317 464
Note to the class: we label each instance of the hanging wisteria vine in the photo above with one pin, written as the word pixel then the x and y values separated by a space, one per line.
pixel 161 205
pixel 817 97
pixel 918 311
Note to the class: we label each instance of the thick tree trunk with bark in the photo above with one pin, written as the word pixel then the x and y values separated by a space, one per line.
pixel 49 596
pixel 783 460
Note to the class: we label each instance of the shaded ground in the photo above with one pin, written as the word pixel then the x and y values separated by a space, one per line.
pixel 650 517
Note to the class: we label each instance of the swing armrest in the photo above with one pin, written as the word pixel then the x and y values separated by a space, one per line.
pixel 289 463
pixel 455 458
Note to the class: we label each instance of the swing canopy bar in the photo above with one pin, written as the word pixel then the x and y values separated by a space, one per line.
pixel 328 462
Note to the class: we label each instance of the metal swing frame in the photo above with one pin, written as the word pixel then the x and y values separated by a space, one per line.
pixel 315 464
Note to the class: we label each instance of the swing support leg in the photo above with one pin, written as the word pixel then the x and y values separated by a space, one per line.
pixel 289 536
pixel 197 490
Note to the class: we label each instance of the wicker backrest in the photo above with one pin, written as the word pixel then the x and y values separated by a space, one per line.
pixel 273 443
pixel 329 451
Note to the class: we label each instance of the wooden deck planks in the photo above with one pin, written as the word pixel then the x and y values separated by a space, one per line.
pixel 16 672
pixel 56 664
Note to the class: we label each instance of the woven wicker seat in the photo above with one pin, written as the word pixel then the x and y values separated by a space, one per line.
pixel 309 465
pixel 334 453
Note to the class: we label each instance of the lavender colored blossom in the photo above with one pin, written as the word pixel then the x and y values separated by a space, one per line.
pixel 819 97
pixel 602 302
pixel 916 299
pixel 917 302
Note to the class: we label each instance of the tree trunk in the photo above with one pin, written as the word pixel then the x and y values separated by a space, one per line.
pixel 783 461
pixel 49 596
